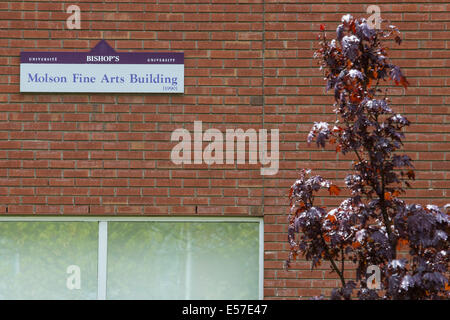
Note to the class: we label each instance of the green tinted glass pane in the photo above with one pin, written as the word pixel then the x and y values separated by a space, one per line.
pixel 35 256
pixel 183 260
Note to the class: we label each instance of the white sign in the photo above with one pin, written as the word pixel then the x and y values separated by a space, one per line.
pixel 102 70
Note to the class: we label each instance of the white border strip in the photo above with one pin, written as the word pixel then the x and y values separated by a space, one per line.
pixel 261 259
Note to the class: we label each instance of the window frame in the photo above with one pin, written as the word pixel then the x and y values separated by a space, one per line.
pixel 103 237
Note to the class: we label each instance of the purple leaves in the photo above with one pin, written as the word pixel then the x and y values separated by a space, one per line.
pixel 398 77
pixel 353 73
pixel 350 46
pixel 378 106
pixel 399 119
pixel 343 293
pixel 340 32
pixel 364 31
pixel 434 279
pixel 320 131
pixel 400 161
pixel 407 282
pixel 347 19
pixel 394 265
pixel 369 227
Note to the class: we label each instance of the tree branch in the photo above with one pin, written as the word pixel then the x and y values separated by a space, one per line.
pixel 333 264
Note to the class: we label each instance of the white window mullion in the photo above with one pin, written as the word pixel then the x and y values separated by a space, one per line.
pixel 102 257
pixel 188 263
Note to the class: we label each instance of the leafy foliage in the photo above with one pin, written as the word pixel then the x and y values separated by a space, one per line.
pixel 368 227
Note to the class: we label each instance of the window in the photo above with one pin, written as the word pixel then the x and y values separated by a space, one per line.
pixel 34 257
pixel 130 258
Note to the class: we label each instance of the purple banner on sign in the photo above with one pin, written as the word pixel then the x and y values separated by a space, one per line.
pixel 102 53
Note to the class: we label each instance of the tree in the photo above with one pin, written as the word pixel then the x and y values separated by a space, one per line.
pixel 370 226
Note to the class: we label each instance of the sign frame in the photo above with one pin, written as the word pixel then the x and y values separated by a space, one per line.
pixel 101 70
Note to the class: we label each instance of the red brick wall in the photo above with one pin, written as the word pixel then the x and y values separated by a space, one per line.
pixel 248 64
